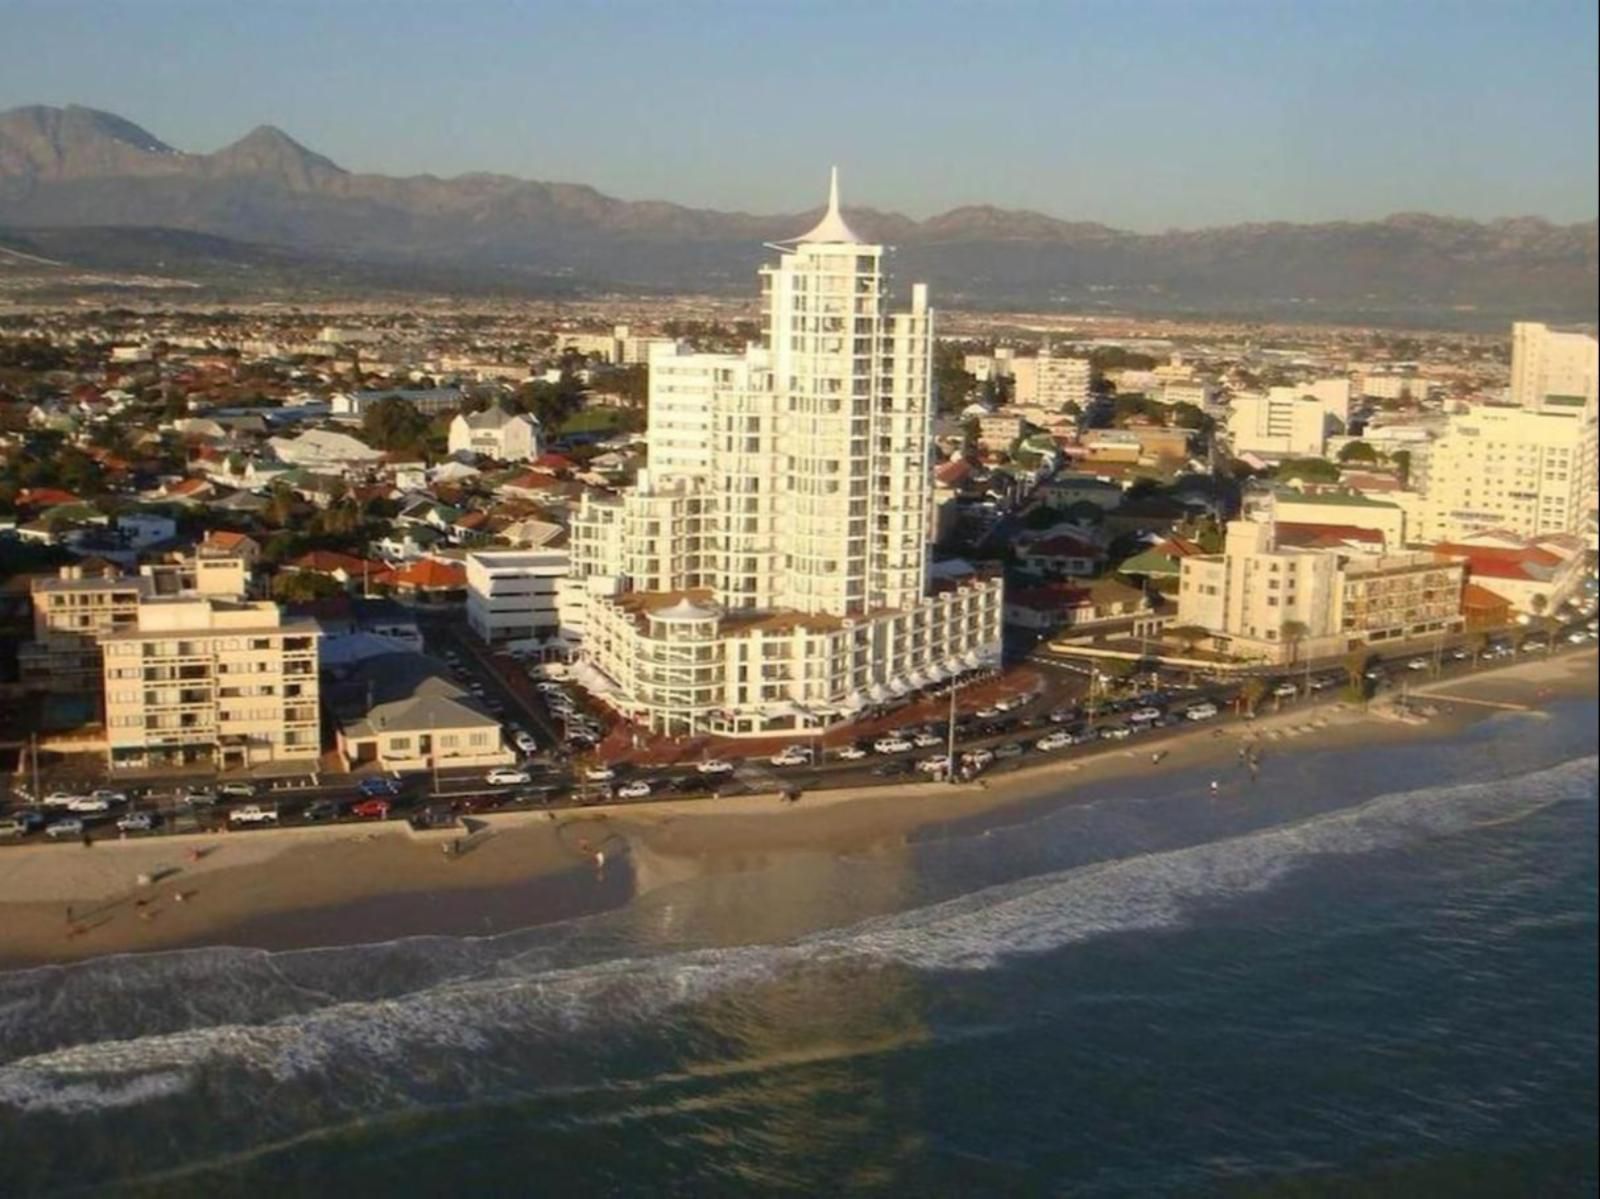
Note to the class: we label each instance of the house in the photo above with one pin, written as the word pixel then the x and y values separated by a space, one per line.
pixel 400 712
pixel 226 541
pixel 1060 555
pixel 1532 575
pixel 1162 562
pixel 429 582
pixel 345 569
pixel 497 433
pixel 1051 607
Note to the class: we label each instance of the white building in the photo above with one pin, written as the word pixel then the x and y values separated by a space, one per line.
pixel 1051 383
pixel 1260 600
pixel 496 433
pixel 323 450
pixel 1550 369
pixel 776 576
pixel 1281 423
pixel 523 595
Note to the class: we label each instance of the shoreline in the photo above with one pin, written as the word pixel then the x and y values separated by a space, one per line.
pixel 314 887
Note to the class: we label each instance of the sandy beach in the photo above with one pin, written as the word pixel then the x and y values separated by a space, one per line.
pixel 313 886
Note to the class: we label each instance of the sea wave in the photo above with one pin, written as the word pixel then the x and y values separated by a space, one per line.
pixel 281 1017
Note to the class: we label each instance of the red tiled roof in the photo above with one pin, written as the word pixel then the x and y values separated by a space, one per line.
pixel 332 562
pixel 430 574
pixel 554 462
pixel 1474 596
pixel 44 497
pixel 1312 535
pixel 227 539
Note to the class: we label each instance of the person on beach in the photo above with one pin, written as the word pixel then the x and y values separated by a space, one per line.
pixel 1215 786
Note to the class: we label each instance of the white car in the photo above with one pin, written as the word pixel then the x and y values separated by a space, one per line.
pixel 1053 742
pixel 109 795
pixel 69 827
pixel 977 759
pixel 793 756
pixel 61 799
pixel 990 712
pixel 938 764
pixel 891 745
pixel 550 687
pixel 599 774
pixel 638 789
pixel 136 822
pixel 1203 711
pixel 88 805
pixel 1418 664
pixel 1005 705
pixel 505 777
pixel 926 740
pixel 851 753
pixel 253 814
pixel 715 766
pixel 1145 715
pixel 1286 691
pixel 526 743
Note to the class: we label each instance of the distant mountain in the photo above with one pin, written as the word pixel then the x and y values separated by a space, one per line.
pixel 76 167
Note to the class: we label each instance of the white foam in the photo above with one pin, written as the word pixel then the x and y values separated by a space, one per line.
pixel 976 932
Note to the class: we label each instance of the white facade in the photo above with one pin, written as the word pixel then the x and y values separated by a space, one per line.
pixel 1274 604
pixel 496 433
pixel 1551 369
pixel 1051 383
pixel 776 573
pixel 1281 423
pixel 522 595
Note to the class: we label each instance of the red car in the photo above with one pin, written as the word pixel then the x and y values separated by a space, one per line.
pixel 372 809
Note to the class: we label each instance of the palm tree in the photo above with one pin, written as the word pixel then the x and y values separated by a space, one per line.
pixel 1294 632
pixel 1541 605
pixel 1355 669
pixel 1252 693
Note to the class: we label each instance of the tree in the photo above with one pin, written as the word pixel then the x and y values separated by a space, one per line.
pixel 1541 606
pixel 1189 416
pixel 953 384
pixel 1358 451
pixel 1402 466
pixel 395 424
pixel 1355 671
pixel 1294 632
pixel 299 586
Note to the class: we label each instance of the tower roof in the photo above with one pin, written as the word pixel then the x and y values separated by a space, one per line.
pixel 831 228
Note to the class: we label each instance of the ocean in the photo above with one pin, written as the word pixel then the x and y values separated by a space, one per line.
pixel 1371 971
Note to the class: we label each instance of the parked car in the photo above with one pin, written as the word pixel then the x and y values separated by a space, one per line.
pixel 599 774
pixel 198 797
pixel 1418 664
pixel 372 809
pixel 378 788
pixel 891 745
pixel 1323 681
pixel 526 743
pixel 61 799
pixel 504 776
pixel 1063 715
pixel 13 826
pixel 1201 711
pixel 1053 741
pixel 1285 690
pixel 715 766
pixel 926 740
pixel 938 764
pixel 793 756
pixel 69 826
pixel 977 759
pixel 638 789
pixel 1145 715
pixel 1009 750
pixel 1459 654
pixel 851 753
pixel 110 795
pixel 253 814
pixel 237 790
pixel 88 805
pixel 136 822
pixel 323 809
pixel 1116 732
pixel 990 712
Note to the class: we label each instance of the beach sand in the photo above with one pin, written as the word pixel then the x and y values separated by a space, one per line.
pixel 289 888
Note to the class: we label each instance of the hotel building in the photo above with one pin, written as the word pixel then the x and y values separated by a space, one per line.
pixel 1264 601
pixel 1529 468
pixel 770 570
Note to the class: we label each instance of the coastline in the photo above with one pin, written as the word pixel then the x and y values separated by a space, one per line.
pixel 304 888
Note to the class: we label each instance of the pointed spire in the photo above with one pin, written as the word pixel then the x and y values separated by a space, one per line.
pixel 832 226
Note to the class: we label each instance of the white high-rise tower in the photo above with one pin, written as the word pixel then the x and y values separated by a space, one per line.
pixel 788 490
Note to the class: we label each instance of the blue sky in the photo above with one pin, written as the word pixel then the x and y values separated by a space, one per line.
pixel 1144 114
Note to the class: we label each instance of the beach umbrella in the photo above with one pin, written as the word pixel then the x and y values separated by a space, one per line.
pixel 877 693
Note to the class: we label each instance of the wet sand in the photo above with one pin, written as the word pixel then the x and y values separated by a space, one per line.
pixel 291 888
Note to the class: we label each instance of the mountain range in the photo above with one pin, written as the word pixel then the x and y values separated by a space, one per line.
pixel 95 189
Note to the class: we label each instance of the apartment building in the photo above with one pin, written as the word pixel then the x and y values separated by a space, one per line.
pixel 72 612
pixel 1051 383
pixel 1289 422
pixel 1551 369
pixel 523 596
pixel 775 576
pixel 223 682
pixel 1274 603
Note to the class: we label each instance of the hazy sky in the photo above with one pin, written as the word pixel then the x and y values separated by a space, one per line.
pixel 1140 114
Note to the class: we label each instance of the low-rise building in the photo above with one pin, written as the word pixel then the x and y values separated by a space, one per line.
pixel 401 713
pixel 522 596
pixel 496 433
